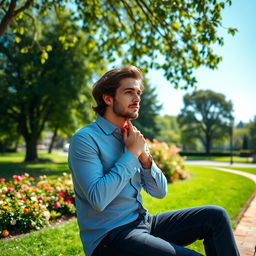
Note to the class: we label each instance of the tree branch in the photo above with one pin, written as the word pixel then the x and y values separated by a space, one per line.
pixel 24 7
pixel 7 17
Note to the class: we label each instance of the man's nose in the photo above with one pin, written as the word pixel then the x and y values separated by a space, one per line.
pixel 136 98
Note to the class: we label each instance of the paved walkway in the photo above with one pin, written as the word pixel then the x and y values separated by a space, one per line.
pixel 219 163
pixel 245 232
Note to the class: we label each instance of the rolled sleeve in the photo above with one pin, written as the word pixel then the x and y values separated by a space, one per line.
pixel 154 182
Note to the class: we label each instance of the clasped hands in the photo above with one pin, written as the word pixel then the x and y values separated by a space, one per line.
pixel 136 143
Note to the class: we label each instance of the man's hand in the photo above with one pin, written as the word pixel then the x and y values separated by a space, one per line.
pixel 134 141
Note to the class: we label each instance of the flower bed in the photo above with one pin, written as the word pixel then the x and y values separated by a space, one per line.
pixel 27 204
pixel 168 160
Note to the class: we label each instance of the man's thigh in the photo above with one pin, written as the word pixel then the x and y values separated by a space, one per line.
pixel 138 242
pixel 183 227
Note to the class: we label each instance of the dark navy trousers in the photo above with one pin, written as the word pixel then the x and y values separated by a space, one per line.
pixel 166 234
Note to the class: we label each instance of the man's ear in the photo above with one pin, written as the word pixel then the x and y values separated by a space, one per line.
pixel 108 99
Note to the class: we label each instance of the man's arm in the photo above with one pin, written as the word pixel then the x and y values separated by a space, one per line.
pixel 98 188
pixel 153 180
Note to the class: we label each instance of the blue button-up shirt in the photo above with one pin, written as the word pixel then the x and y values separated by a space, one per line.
pixel 107 181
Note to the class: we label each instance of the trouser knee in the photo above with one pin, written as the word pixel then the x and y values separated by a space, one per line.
pixel 217 215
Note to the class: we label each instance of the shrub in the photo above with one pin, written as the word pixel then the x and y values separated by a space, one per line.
pixel 168 160
pixel 27 204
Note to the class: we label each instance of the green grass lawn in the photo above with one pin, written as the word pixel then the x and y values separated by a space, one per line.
pixel 12 164
pixel 236 159
pixel 206 186
pixel 243 169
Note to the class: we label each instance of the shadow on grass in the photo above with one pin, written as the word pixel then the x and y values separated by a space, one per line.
pixel 52 170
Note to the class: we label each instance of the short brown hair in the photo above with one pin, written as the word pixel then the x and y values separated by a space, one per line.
pixel 109 83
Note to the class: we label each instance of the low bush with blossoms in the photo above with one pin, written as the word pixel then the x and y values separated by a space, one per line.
pixel 28 204
pixel 168 160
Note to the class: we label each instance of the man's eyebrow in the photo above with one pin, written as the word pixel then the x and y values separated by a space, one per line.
pixel 131 88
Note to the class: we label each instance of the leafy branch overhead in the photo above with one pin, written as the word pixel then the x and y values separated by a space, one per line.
pixel 176 35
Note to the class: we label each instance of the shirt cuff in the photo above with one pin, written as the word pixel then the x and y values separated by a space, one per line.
pixel 153 171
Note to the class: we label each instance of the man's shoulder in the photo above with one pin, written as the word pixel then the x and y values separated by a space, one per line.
pixel 87 131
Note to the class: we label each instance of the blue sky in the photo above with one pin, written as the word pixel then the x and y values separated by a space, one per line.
pixel 236 74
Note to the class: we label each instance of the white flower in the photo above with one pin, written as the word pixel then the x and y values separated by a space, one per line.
pixel 32 223
pixel 1 202
pixel 47 215
pixel 13 222
pixel 33 198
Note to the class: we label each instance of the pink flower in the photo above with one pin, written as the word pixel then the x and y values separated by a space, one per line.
pixel 62 194
pixel 24 199
pixel 2 179
pixel 68 202
pixel 57 204
pixel 23 187
pixel 40 198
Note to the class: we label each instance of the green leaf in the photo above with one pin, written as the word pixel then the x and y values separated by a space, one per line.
pixel 48 48
pixel 43 60
pixel 232 31
pixel 44 55
pixel 17 39
pixel 21 30
pixel 24 50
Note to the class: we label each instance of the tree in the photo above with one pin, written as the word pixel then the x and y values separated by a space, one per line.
pixel 252 133
pixel 182 32
pixel 32 93
pixel 169 129
pixel 206 115
pixel 149 109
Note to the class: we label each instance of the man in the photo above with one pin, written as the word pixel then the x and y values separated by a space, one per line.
pixel 110 163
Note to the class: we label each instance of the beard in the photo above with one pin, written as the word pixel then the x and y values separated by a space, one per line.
pixel 120 111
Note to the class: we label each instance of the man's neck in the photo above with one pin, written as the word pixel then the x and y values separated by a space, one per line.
pixel 115 120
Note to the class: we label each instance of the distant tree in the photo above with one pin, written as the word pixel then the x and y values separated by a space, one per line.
pixel 169 129
pixel 206 115
pixel 32 93
pixel 252 133
pixel 183 32
pixel 149 109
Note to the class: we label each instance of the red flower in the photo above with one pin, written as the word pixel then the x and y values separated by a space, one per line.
pixel 17 178
pixel 40 198
pixel 10 189
pixel 57 204
pixel 62 194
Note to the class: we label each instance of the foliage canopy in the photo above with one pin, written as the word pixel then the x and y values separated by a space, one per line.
pixel 176 36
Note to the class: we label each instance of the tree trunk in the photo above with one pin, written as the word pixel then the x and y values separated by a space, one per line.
pixel 208 145
pixel 16 144
pixel 31 149
pixel 55 133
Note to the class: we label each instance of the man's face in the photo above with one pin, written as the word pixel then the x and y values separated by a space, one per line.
pixel 127 99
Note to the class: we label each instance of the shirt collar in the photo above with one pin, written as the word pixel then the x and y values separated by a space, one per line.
pixel 107 127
